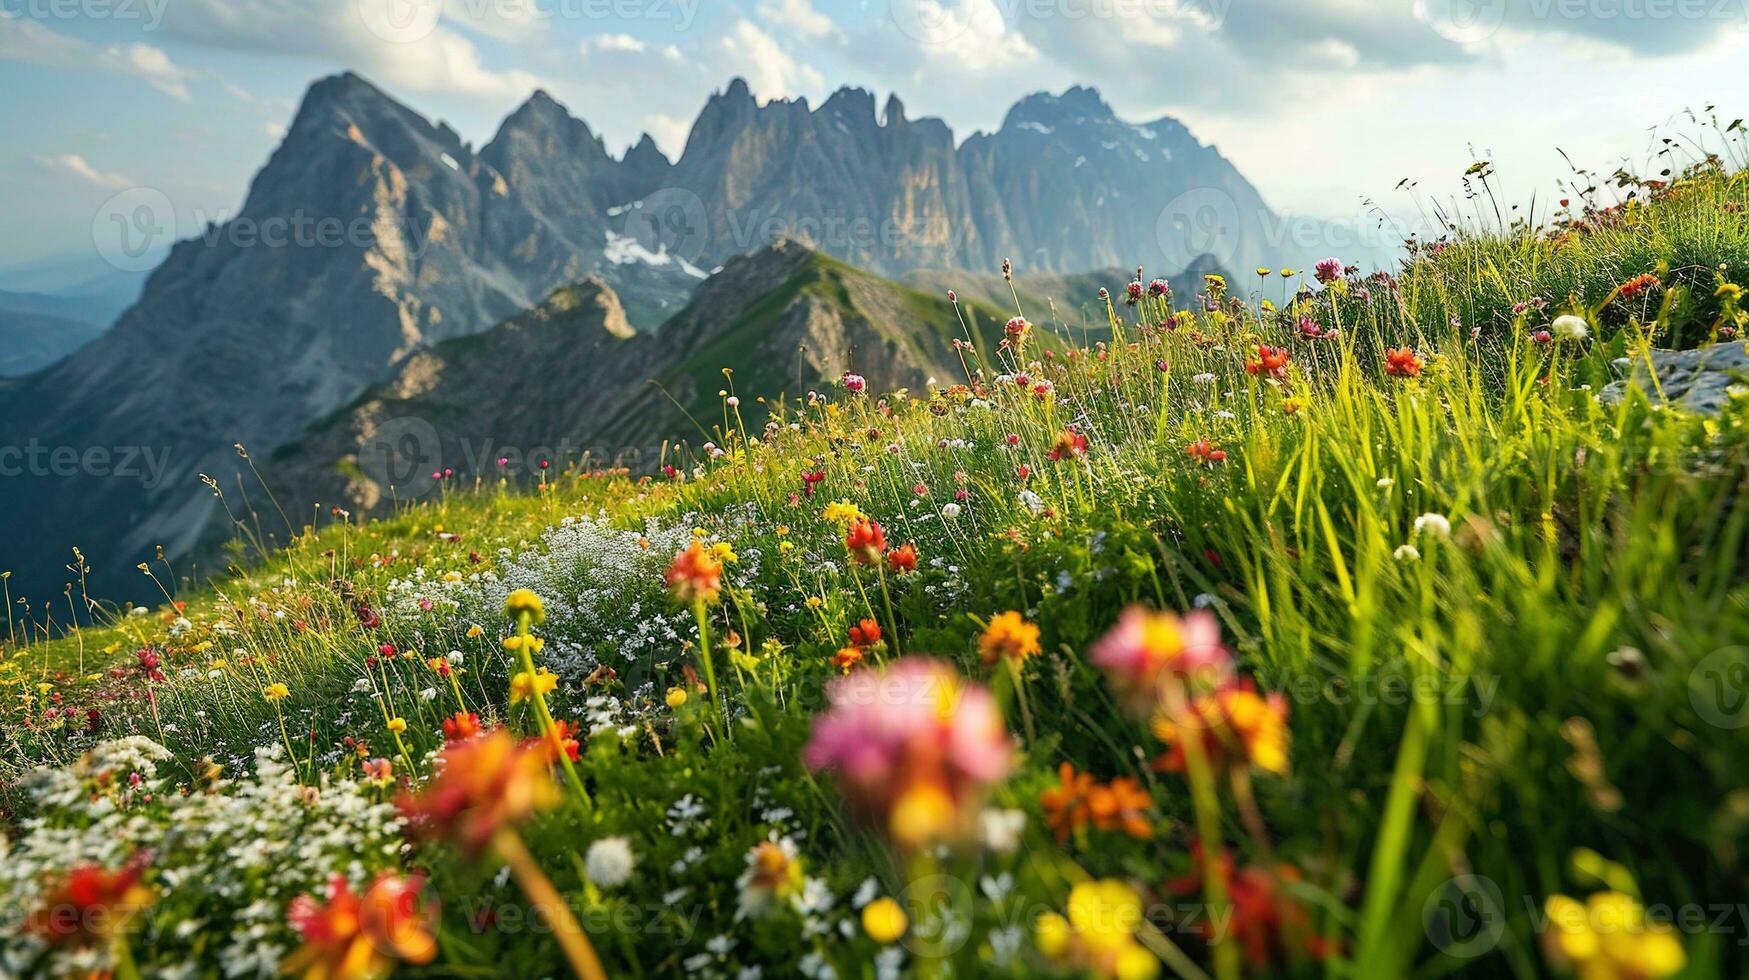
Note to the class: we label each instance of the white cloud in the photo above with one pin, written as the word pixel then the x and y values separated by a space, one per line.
pixel 770 71
pixel 73 163
pixel 613 42
pixel 798 16
pixel 30 42
pixel 152 65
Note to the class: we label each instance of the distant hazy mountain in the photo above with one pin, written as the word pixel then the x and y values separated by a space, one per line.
pixel 373 233
pixel 38 329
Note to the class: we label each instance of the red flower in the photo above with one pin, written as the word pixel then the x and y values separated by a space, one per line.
pixel 865 633
pixel 903 559
pixel 562 740
pixel 1271 362
pixel 1403 362
pixel 1644 282
pixel 461 725
pixel 1205 452
pixel 90 905
pixel 809 479
pixel 866 542
pixel 1266 920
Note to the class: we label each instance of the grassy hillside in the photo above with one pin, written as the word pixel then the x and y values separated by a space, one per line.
pixel 1358 584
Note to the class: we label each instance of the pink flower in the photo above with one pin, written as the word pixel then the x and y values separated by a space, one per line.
pixel 1147 647
pixel 914 746
pixel 1328 270
pixel 855 383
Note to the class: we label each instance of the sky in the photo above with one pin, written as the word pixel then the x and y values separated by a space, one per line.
pixel 1326 105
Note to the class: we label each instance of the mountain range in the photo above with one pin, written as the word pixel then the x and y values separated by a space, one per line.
pixel 412 238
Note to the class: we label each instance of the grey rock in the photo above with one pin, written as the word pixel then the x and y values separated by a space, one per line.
pixel 1703 380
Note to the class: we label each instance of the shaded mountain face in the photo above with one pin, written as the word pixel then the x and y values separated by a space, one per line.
pixel 373 233
pixel 570 382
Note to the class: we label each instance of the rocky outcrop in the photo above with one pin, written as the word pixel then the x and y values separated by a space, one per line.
pixel 1702 380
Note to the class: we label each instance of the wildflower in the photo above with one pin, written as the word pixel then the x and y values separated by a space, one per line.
pixel 884 920
pixel 533 644
pixel 676 697
pixel 1009 636
pixel 950 511
pixel 696 575
pixel 1065 804
pixel 1001 830
pixel 1407 552
pixel 90 905
pixel 475 632
pixel 1016 329
pixel 866 633
pixel 809 479
pixel 903 559
pixel 523 602
pixel 482 785
pixel 1436 525
pixel 379 771
pixel 1234 724
pixel 842 512
pixel 1266 921
pixel 1569 327
pixel 1070 445
pixel 1642 283
pixel 774 873
pixel 1403 362
pixel 856 384
pixel 275 691
pixel 1204 451
pixel 397 725
pixel 1159 288
pixel 1271 362
pixel 1098 935
pixel 609 862
pixel 915 747
pixel 561 742
pixel 866 542
pixel 1327 270
pixel 461 725
pixel 1146 647
pixel 1133 293
pixel 1609 938
pixel 846 658
pixel 525 685
pixel 349 937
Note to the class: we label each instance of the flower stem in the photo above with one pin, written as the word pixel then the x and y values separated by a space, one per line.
pixel 548 728
pixel 550 904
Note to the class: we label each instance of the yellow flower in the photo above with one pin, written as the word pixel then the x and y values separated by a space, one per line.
pixel 1009 636
pixel 815 602
pixel 724 552
pixel 397 725
pixel 538 684
pixel 475 632
pixel 523 602
pixel 1262 271
pixel 1609 938
pixel 843 512
pixel 1729 291
pixel 785 547
pixel 452 576
pixel 1098 935
pixel 676 697
pixel 515 643
pixel 884 920
pixel 275 691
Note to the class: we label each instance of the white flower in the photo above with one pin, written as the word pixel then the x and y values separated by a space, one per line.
pixel 1436 525
pixel 1385 483
pixel 950 511
pixel 1570 327
pixel 1033 502
pixel 1407 552
pixel 609 862
pixel 1204 378
pixel 1002 829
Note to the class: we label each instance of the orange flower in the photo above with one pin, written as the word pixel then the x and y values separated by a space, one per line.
pixel 1638 284
pixel 1236 726
pixel 1069 445
pixel 903 559
pixel 1121 805
pixel 353 938
pixel 561 740
pixel 1271 362
pixel 1066 807
pixel 865 633
pixel 865 541
pixel 483 784
pixel 847 658
pixel 1403 362
pixel 88 907
pixel 695 574
pixel 461 726
pixel 1009 636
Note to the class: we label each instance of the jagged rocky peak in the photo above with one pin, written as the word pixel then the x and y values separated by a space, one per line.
pixel 1079 104
pixel 645 153
pixel 894 113
pixel 852 104
pixel 543 122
